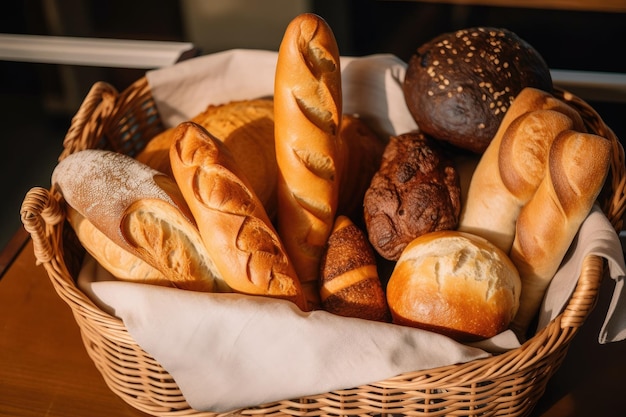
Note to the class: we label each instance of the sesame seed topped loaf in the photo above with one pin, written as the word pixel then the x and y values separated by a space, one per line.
pixel 459 85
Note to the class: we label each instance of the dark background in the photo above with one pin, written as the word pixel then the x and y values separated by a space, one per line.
pixel 36 110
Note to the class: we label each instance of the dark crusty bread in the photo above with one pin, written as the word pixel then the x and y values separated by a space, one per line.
pixel 415 191
pixel 459 85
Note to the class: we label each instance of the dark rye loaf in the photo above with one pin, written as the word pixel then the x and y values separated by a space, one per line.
pixel 459 85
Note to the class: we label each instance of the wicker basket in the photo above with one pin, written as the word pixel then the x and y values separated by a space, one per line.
pixel 508 384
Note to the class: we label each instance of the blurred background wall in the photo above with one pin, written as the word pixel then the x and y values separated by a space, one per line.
pixel 37 100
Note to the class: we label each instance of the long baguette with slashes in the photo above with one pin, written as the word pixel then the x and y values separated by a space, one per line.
pixel 307 115
pixel 234 226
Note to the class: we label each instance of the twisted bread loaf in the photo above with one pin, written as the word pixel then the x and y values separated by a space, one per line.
pixel 234 226
pixel 307 115
pixel 511 168
pixel 577 168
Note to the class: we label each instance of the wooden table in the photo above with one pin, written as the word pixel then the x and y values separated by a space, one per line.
pixel 45 370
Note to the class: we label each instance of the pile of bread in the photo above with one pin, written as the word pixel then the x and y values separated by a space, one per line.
pixel 455 228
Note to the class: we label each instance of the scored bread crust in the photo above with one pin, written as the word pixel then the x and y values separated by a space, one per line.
pixel 247 128
pixel 349 282
pixel 307 114
pixel 233 224
pixel 577 168
pixel 510 169
pixel 108 187
pixel 454 283
pixel 121 263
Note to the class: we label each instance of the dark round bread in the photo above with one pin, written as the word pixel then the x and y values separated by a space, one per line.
pixel 459 85
pixel 415 191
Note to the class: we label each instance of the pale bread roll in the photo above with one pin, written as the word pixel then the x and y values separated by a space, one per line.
pixel 247 128
pixel 456 284
pixel 577 168
pixel 349 282
pixel 121 263
pixel 236 230
pixel 507 177
pixel 141 210
pixel 307 114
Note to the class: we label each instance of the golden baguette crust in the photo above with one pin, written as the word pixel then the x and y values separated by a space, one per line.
pixel 236 230
pixel 121 263
pixel 454 283
pixel 141 210
pixel 307 114
pixel 513 164
pixel 349 281
pixel 577 168
pixel 247 128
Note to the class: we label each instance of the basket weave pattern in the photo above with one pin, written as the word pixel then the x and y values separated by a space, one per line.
pixel 509 384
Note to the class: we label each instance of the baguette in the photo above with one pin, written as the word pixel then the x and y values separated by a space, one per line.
pixel 507 177
pixel 247 128
pixel 234 226
pixel 142 211
pixel 350 284
pixel 577 168
pixel 307 114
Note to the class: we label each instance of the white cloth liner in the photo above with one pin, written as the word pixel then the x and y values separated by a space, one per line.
pixel 229 351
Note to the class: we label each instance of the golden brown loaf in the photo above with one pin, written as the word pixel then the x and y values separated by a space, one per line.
pixel 247 128
pixel 506 178
pixel 121 263
pixel 577 168
pixel 140 210
pixel 362 153
pixel 415 191
pixel 307 114
pixel 454 283
pixel 459 85
pixel 235 228
pixel 349 281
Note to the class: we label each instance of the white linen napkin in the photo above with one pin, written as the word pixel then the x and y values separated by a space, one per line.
pixel 371 86
pixel 228 351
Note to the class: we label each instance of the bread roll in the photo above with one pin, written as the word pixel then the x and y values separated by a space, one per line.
pixel 247 128
pixel 577 168
pixel 507 177
pixel 350 285
pixel 307 114
pixel 121 263
pixel 142 211
pixel 236 230
pixel 415 191
pixel 454 283
pixel 459 85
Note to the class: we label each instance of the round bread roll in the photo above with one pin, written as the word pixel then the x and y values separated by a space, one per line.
pixel 454 283
pixel 415 191
pixel 459 85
